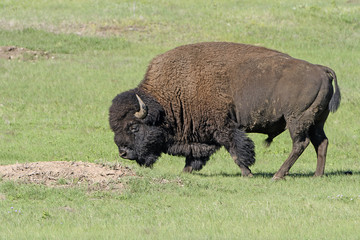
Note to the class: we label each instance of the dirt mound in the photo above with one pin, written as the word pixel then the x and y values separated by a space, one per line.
pixel 67 174
pixel 20 53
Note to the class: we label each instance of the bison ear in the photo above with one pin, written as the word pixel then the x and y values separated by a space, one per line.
pixel 142 113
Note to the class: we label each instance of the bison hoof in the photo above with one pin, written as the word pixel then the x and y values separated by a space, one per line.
pixel 249 175
pixel 187 169
pixel 246 172
pixel 276 178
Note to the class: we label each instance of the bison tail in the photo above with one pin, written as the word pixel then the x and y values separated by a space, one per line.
pixel 336 97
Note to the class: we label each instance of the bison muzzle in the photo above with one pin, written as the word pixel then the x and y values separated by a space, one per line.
pixel 197 98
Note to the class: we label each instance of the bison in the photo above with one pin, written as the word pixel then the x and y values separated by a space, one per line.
pixel 197 98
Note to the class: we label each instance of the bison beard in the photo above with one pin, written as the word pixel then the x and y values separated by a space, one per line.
pixel 149 148
pixel 197 98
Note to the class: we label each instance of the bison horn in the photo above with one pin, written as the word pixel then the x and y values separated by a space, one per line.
pixel 143 109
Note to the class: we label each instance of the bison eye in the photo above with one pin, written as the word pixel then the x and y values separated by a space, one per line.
pixel 134 128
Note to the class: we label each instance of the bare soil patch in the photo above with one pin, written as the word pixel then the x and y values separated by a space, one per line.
pixel 68 174
pixel 20 53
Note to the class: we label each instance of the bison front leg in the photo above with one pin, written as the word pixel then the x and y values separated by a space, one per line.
pixel 242 151
pixel 240 147
pixel 194 164
pixel 245 171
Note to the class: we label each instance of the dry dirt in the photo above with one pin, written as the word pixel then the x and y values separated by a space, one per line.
pixel 68 174
pixel 20 53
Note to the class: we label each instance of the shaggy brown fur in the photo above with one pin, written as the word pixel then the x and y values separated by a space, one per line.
pixel 210 91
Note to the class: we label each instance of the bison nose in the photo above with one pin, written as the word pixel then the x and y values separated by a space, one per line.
pixel 122 154
pixel 127 153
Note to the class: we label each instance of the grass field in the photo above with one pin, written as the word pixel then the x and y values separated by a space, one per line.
pixel 55 108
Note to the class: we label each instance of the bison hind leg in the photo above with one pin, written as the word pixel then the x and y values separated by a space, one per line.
pixel 300 142
pixel 320 143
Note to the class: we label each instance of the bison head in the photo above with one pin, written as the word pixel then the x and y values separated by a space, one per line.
pixel 136 120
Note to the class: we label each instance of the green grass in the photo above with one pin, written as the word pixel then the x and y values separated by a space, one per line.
pixel 56 109
pixel 218 207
